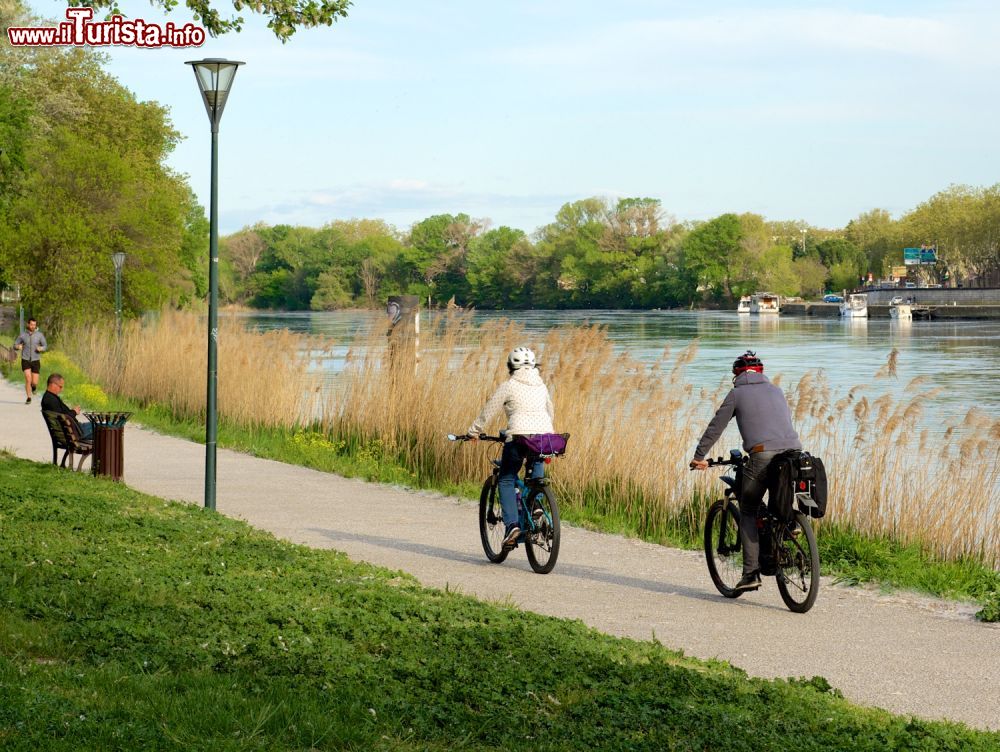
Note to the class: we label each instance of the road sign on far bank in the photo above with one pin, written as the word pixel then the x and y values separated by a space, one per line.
pixel 921 255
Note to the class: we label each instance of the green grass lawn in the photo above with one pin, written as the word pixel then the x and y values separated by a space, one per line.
pixel 129 622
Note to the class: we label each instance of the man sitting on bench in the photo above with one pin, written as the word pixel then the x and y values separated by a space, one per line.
pixel 53 402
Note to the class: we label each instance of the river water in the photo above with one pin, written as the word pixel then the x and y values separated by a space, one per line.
pixel 960 357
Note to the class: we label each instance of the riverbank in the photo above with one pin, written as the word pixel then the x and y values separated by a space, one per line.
pixel 950 312
pixel 946 303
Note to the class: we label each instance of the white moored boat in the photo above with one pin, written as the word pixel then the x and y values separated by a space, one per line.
pixel 900 309
pixel 744 305
pixel 765 302
pixel 855 306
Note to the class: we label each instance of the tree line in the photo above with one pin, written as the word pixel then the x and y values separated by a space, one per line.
pixel 601 253
pixel 83 175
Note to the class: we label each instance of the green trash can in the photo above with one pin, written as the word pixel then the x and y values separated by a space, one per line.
pixel 108 458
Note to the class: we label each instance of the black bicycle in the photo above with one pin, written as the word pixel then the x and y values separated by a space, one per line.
pixel 538 513
pixel 788 549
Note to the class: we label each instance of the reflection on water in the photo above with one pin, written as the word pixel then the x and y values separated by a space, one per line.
pixel 902 326
pixel 961 357
pixel 750 323
pixel 855 325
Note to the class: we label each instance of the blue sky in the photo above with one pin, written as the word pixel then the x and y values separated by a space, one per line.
pixel 808 111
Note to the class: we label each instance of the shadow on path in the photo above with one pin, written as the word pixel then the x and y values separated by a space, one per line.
pixel 576 571
pixel 400 545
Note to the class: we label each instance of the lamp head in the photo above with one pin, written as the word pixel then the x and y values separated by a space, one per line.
pixel 215 77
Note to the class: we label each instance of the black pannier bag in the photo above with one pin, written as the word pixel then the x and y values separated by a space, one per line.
pixel 795 472
pixel 781 486
pixel 818 488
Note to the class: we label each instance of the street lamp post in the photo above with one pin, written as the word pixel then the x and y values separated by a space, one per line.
pixel 215 77
pixel 118 259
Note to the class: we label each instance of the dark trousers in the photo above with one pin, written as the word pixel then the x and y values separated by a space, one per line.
pixel 752 490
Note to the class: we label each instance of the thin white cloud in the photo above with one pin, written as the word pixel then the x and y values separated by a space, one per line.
pixel 408 184
pixel 401 201
pixel 768 34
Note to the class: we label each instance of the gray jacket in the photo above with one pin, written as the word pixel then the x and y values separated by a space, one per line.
pixel 31 342
pixel 761 413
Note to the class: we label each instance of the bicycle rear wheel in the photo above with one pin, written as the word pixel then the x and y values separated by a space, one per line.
pixel 723 549
pixel 491 527
pixel 798 564
pixel 541 543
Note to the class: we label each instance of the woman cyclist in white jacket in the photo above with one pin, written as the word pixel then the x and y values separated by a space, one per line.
pixel 525 399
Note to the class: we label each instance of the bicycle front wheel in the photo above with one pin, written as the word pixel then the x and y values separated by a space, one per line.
pixel 798 564
pixel 491 527
pixel 541 542
pixel 723 549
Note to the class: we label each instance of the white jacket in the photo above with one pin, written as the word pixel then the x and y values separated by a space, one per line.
pixel 526 401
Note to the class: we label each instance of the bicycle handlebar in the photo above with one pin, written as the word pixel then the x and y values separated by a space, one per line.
pixel 735 459
pixel 481 437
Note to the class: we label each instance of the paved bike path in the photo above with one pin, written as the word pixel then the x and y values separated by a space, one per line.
pixel 900 652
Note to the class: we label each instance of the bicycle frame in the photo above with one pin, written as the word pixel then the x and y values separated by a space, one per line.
pixel 767 524
pixel 527 486
pixel 524 485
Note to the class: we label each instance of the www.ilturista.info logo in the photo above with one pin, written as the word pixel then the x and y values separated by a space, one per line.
pixel 82 30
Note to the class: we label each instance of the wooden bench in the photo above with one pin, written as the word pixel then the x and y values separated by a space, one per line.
pixel 66 434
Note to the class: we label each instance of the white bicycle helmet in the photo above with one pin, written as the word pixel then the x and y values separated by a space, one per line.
pixel 520 357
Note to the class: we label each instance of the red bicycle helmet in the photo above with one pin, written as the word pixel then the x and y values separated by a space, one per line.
pixel 748 361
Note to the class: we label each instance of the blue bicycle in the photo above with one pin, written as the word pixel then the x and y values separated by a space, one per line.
pixel 537 510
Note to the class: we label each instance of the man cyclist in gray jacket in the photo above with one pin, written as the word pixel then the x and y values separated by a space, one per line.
pixel 765 424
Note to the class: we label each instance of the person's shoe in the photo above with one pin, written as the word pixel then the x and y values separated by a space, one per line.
pixel 749 581
pixel 28 401
pixel 34 388
pixel 510 539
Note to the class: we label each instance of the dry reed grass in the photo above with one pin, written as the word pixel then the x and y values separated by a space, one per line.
pixel 633 426
pixel 263 377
